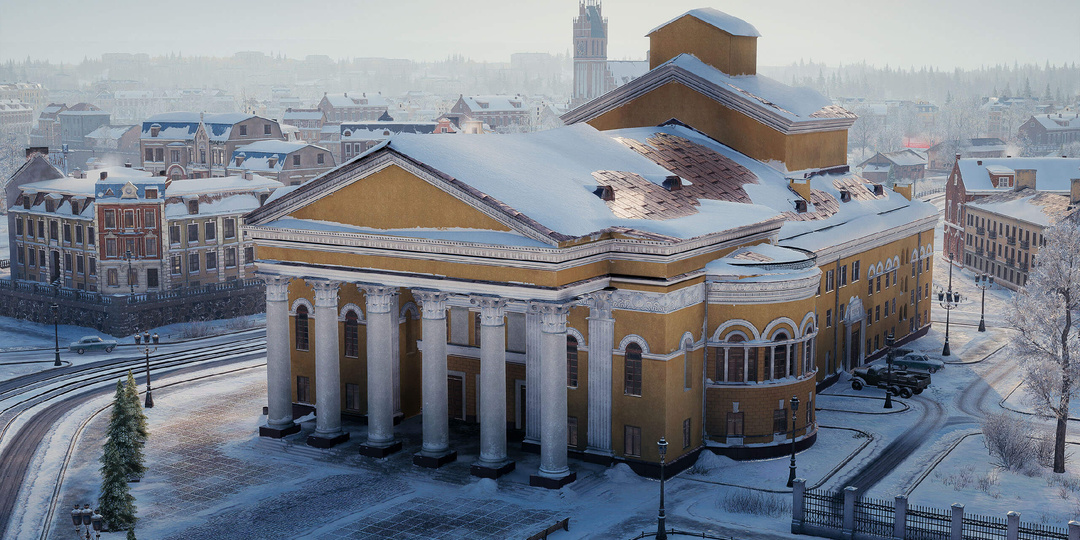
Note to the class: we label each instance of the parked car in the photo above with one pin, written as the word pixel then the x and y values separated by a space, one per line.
pixel 918 361
pixel 903 383
pixel 92 343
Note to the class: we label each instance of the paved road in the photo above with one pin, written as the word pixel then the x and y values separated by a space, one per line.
pixel 16 457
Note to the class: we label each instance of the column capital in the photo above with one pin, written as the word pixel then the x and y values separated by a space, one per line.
pixel 432 303
pixel 600 303
pixel 277 287
pixel 326 292
pixel 379 298
pixel 492 309
pixel 552 316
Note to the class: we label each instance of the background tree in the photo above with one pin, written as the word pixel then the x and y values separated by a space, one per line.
pixel 122 458
pixel 1044 313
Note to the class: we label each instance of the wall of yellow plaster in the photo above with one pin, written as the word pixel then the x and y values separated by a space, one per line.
pixel 734 55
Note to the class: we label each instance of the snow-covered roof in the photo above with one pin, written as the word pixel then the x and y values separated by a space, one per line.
pixel 1028 205
pixel 231 204
pixel 1059 122
pixel 303 115
pixel 381 130
pixel 763 262
pixel 493 103
pixel 356 100
pixel 183 125
pixel 109 132
pixel 202 186
pixel 275 147
pixel 728 23
pixel 476 236
pixel 1051 173
pixel 82 187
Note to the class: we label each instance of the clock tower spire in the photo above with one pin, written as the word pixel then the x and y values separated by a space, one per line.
pixel 590 53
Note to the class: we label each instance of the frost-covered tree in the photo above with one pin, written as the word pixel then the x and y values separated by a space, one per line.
pixel 122 458
pixel 1044 313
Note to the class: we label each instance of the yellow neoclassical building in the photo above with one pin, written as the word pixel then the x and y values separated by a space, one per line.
pixel 681 260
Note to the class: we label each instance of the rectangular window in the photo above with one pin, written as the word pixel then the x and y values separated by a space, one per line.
pixel 174 234
pixel 193 262
pixel 230 257
pixel 54 231
pixel 686 438
pixel 779 421
pixel 734 424
pixel 296 160
pixel 110 247
pixel 151 193
pixel 67 233
pixel 632 441
pixel 829 281
pixel 319 159
pixel 855 271
pixel 249 255
pixel 877 313
pixel 80 266
pixel 41 258
pixel 175 155
pixel 352 397
pixel 78 234
pixel 303 389
pixel 828 318
pixel 93 266
pixel 842 278
pixel 90 236
pixel 129 219
pixel 20 255
pixel 19 226
pixel 193 233
pixel 149 219
pixel 878 288
pixel 230 228
pixel 177 265
pixel 149 154
pixel 211 231
pixel 133 277
pixel 211 260
pixel 67 262
pixel 886 280
pixel 571 431
pixel 152 278
pixel 267 129
pixel 151 247
pixel 41 228
pixel 159 154
pixel 112 277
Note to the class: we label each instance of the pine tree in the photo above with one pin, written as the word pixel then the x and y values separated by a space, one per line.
pixel 115 502
pixel 131 534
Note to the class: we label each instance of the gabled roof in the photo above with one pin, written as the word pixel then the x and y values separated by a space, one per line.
pixel 1059 122
pixel 722 21
pixel 380 130
pixel 183 125
pixel 356 100
pixel 493 103
pixel 770 102
pixel 1026 204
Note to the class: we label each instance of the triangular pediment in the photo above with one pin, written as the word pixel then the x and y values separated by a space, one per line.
pixel 384 191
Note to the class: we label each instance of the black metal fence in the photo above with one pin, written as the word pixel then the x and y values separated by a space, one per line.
pixel 1039 531
pixel 978 527
pixel 825 508
pixel 927 523
pixel 875 516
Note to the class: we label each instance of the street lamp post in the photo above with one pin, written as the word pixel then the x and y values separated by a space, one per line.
pixel 948 300
pixel 794 410
pixel 131 284
pixel 661 534
pixel 56 320
pixel 147 349
pixel 983 282
pixel 86 521
pixel 889 355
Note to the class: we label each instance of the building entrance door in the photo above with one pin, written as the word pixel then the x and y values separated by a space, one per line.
pixel 853 350
pixel 455 396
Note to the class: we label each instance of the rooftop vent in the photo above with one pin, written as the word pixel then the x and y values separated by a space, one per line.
pixel 672 183
pixel 155 129
pixel 979 162
pixel 845 195
pixel 606 193
pixel 272 162
pixel 127 164
pixel 800 206
pixel 103 175
pixel 879 190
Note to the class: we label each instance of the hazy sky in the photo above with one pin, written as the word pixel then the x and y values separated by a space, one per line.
pixel 944 33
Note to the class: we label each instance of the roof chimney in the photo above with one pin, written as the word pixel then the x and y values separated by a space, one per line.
pixel 104 175
pixel 155 129
pixel 272 162
pixel 979 162
pixel 127 164
pixel 958 155
pixel 672 183
pixel 879 190
pixel 800 206
pixel 845 195
pixel 606 193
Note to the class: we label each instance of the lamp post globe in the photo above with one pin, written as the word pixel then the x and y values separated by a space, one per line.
pixel 661 533
pixel 948 299
pixel 794 410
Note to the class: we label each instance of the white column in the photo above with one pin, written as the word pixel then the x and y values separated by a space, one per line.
pixel 492 381
pixel 532 376
pixel 553 390
pixel 395 354
pixel 380 394
pixel 327 361
pixel 601 343
pixel 278 358
pixel 436 429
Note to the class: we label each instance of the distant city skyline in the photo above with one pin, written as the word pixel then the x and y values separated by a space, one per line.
pixel 957 33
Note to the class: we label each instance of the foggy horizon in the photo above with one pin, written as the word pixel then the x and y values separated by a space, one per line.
pixel 962 34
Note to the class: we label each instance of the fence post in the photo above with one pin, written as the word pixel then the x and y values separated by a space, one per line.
pixel 1012 526
pixel 850 494
pixel 900 517
pixel 957 522
pixel 798 505
pixel 1074 530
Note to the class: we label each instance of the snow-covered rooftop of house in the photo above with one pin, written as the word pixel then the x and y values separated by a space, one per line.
pixel 237 183
pixel 1051 173
pixel 303 115
pixel 380 130
pixel 109 132
pixel 794 103
pixel 1059 122
pixel 493 103
pixel 1028 205
pixel 183 125
pixel 83 187
pixel 273 147
pixel 356 99
pixel 231 204
pixel 763 262
pixel 906 158
pixel 728 23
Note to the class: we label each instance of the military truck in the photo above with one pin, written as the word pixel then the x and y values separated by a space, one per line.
pixel 903 383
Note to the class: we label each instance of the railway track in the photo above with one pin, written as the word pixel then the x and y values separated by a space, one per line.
pixel 48 396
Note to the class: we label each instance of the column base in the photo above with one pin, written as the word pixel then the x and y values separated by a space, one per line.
pixel 600 457
pixel 379 451
pixel 491 471
pixel 551 483
pixel 326 442
pixel 434 462
pixel 277 433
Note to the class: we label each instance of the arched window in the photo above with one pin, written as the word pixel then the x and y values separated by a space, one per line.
pixel 301 328
pixel 688 344
pixel 571 361
pixel 808 350
pixel 779 356
pixel 736 366
pixel 633 370
pixel 352 334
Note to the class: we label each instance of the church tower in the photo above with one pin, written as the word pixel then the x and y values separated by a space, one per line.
pixel 590 53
